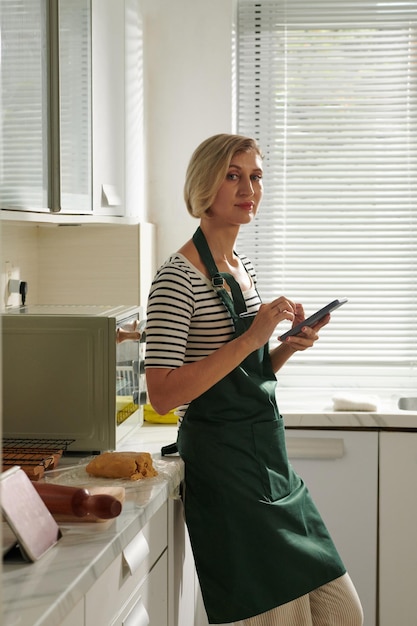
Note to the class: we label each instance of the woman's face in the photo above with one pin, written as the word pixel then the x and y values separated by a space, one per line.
pixel 240 194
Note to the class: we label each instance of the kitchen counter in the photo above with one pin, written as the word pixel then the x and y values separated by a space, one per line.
pixel 310 408
pixel 43 593
pixel 384 420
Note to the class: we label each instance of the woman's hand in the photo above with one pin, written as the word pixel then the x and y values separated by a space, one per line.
pixel 268 317
pixel 309 335
pixel 295 343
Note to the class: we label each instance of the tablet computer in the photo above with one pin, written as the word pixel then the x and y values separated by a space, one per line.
pixel 313 319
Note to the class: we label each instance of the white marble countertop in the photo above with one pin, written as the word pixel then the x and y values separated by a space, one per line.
pixel 310 408
pixel 44 592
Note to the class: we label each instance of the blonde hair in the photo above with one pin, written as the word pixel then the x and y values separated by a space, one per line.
pixel 208 167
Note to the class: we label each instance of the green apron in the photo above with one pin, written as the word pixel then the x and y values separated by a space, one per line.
pixel 257 538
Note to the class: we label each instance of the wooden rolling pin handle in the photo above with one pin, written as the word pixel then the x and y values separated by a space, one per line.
pixel 64 500
pixel 103 506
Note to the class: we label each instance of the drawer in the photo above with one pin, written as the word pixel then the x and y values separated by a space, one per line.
pixel 148 605
pixel 117 584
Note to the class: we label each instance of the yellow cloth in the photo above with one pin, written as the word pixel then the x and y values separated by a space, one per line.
pixel 150 415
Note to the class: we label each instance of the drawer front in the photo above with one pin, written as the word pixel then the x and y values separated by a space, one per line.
pixel 148 605
pixel 116 585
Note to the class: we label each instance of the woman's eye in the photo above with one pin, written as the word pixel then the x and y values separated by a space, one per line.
pixel 235 176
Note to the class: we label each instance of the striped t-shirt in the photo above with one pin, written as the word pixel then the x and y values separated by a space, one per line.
pixel 186 320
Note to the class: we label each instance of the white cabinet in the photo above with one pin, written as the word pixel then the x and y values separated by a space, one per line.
pixel 148 604
pixel 398 524
pixel 182 586
pixel 340 468
pixel 117 102
pixel 186 606
pixel 134 588
pixel 73 133
pixel 133 591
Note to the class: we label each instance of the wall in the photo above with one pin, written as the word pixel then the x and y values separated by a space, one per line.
pixel 79 264
pixel 19 249
pixel 189 87
pixel 188 96
pixel 95 264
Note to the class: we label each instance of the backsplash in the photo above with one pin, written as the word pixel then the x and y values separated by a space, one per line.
pixel 89 264
pixel 19 260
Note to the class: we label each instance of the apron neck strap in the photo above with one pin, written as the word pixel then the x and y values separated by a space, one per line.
pixel 235 306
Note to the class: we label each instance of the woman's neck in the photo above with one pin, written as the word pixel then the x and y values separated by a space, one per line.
pixel 221 241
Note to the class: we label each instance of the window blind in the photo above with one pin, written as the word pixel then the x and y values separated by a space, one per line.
pixel 329 89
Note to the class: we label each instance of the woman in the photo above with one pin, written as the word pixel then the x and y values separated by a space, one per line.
pixel 262 552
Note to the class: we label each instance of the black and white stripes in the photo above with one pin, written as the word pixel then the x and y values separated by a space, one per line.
pixel 186 320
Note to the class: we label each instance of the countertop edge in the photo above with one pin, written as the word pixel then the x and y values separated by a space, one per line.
pixel 395 420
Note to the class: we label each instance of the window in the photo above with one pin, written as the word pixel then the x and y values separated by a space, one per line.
pixel 329 89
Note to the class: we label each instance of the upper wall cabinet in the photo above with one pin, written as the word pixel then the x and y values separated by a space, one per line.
pixel 71 128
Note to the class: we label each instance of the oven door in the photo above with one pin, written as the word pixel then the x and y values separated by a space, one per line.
pixel 130 374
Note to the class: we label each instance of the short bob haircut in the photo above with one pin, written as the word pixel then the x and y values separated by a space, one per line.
pixel 208 168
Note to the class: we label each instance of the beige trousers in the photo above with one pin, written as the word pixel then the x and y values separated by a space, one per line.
pixel 334 604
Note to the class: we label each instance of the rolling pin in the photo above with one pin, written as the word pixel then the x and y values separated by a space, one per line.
pixel 63 500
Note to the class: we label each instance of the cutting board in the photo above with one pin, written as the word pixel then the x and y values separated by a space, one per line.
pixel 116 492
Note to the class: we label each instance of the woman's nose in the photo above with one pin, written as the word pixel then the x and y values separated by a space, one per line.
pixel 246 187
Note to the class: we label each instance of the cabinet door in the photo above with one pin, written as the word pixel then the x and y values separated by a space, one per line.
pixel 24 98
pixel 181 569
pixel 45 153
pixel 397 529
pixel 117 107
pixel 71 137
pixel 341 471
pixel 186 606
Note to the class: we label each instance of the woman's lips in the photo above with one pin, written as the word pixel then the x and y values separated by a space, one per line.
pixel 248 206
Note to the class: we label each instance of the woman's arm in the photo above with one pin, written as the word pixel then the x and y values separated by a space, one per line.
pixel 171 387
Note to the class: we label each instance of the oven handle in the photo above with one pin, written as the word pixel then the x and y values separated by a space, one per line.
pixel 135 333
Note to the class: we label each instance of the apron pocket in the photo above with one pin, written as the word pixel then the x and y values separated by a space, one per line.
pixel 276 474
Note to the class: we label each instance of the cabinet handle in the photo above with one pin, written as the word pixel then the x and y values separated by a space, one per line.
pixel 315 448
pixel 136 552
pixel 138 616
